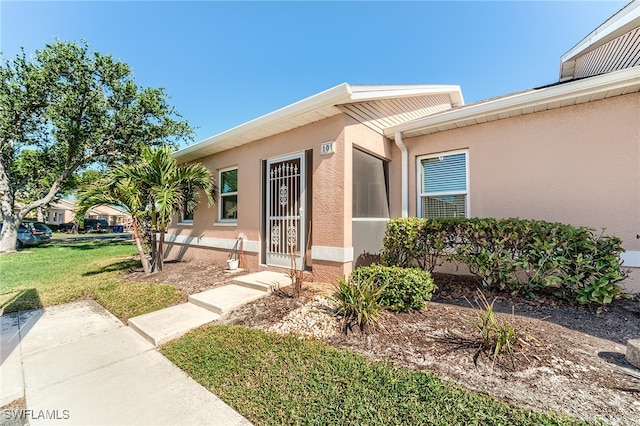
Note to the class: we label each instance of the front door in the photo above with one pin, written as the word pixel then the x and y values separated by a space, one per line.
pixel 285 233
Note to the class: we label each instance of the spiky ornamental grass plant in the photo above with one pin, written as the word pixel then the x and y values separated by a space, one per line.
pixel 359 302
pixel 496 336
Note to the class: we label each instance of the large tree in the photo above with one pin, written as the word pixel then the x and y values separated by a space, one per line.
pixel 69 108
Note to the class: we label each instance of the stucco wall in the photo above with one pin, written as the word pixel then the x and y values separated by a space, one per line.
pixel 329 230
pixel 577 165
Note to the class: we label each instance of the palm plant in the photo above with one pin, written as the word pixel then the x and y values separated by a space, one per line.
pixel 156 187
pixel 122 192
pixel 167 188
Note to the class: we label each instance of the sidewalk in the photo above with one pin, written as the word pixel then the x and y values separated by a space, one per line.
pixel 76 364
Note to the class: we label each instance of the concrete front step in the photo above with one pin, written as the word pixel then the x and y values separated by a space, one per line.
pixel 167 324
pixel 170 323
pixel 223 299
pixel 265 280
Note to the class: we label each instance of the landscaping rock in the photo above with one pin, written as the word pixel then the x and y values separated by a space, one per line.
pixel 633 352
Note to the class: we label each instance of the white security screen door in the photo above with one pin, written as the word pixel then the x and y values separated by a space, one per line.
pixel 285 234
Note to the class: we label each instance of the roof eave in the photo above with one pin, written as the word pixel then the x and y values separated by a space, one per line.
pixel 623 21
pixel 371 93
pixel 332 95
pixel 325 101
pixel 504 106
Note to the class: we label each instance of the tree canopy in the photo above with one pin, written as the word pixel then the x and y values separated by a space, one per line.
pixel 64 109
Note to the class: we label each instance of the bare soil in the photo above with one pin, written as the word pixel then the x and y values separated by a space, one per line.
pixel 190 277
pixel 570 359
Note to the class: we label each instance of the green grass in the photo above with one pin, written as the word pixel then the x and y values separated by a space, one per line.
pixel 274 380
pixel 63 235
pixel 65 272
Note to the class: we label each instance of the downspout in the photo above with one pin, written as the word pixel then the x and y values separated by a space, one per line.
pixel 404 173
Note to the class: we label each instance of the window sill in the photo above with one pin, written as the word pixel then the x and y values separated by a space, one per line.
pixel 225 224
pixel 186 223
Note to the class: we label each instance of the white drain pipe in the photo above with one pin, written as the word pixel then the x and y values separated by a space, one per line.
pixel 405 174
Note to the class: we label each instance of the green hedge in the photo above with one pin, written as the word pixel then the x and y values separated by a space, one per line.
pixel 403 289
pixel 521 256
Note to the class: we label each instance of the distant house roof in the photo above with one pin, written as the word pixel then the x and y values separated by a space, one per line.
pixel 613 45
pixel 377 106
pixel 105 210
pixel 63 204
pixel 535 100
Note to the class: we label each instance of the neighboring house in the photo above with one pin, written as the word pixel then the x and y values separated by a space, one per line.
pixel 62 211
pixel 112 215
pixel 322 176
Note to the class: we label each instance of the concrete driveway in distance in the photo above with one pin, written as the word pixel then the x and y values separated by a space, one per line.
pixel 76 364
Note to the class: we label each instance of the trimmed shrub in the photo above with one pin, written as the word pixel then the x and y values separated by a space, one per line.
pixel 414 242
pixel 403 289
pixel 520 256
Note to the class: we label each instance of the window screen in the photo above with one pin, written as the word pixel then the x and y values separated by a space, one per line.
pixel 444 185
pixel 370 186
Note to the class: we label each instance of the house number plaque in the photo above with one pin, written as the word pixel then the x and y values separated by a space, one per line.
pixel 328 148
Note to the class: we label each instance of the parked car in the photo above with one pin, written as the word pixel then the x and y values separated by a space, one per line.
pixel 25 237
pixel 96 225
pixel 39 230
pixel 68 227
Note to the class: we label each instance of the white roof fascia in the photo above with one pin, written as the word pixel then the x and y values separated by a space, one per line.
pixel 373 92
pixel 334 94
pixel 623 21
pixel 610 81
pixel 340 94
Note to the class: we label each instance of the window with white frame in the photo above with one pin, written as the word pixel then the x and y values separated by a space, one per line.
pixel 443 182
pixel 187 215
pixel 228 210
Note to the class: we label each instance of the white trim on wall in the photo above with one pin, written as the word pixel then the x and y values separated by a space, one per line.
pixel 332 254
pixel 631 258
pixel 218 243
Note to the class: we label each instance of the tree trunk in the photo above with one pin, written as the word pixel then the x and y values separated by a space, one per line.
pixel 154 250
pixel 11 219
pixel 41 214
pixel 143 257
pixel 160 254
pixel 9 234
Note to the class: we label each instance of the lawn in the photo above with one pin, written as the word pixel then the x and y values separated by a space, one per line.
pixel 274 380
pixel 65 272
pixel 270 379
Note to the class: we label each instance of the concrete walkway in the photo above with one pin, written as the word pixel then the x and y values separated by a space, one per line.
pixel 170 323
pixel 76 364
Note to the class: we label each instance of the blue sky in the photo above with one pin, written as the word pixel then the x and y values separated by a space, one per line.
pixel 224 63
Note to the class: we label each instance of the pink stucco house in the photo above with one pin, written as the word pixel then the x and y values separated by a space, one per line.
pixel 321 177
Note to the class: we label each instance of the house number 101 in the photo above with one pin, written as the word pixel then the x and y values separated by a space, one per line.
pixel 328 148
